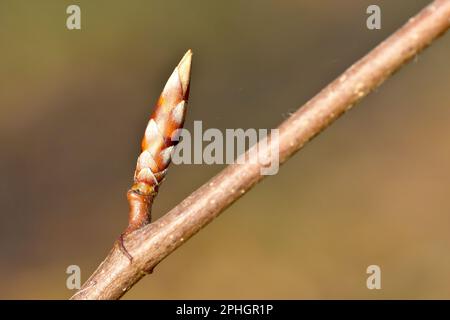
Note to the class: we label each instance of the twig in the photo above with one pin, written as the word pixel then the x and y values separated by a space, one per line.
pixel 152 243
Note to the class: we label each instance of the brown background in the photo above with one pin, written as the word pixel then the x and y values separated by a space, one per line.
pixel 372 189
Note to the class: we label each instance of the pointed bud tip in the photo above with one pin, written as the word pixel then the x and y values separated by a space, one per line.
pixel 184 70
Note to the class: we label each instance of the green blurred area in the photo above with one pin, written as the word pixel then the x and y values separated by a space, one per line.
pixel 372 189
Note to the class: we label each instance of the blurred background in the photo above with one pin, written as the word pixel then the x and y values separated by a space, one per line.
pixel 372 189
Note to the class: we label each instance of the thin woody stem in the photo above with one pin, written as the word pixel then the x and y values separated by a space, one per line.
pixel 150 244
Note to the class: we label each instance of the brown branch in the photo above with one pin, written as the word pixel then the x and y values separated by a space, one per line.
pixel 152 243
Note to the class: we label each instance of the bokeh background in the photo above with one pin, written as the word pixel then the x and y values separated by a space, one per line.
pixel 372 189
